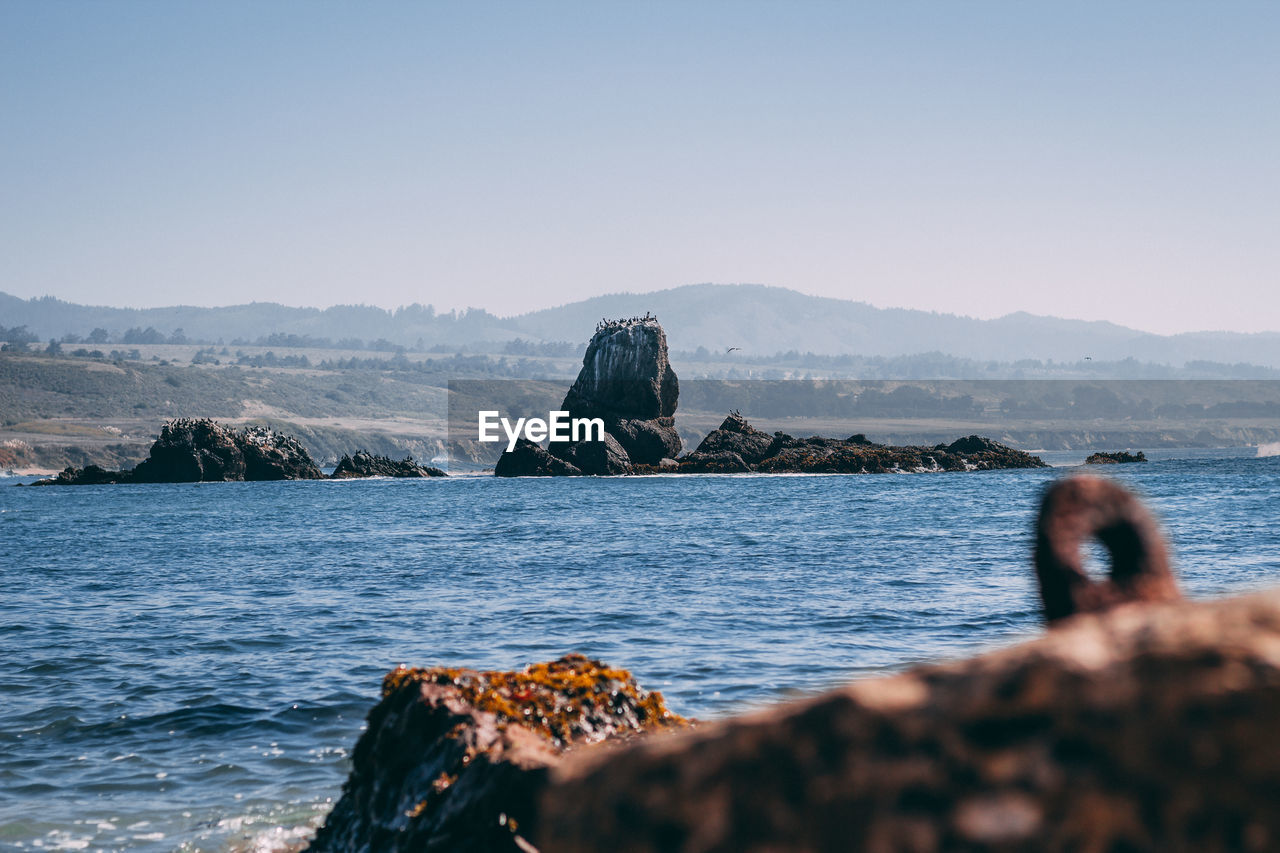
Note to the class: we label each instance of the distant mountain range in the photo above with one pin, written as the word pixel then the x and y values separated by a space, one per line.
pixel 761 320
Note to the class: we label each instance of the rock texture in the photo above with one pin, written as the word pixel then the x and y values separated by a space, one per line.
pixel 1151 728
pixel 89 475
pixel 366 464
pixel 527 459
pixel 452 758
pixel 737 436
pixel 627 382
pixel 1140 723
pixel 1120 457
pixel 736 444
pixel 193 450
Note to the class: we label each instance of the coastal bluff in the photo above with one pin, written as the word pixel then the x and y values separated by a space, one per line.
pixel 1137 721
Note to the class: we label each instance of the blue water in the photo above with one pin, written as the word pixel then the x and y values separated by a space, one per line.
pixel 188 666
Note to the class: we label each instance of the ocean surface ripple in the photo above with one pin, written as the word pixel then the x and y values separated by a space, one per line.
pixel 188 666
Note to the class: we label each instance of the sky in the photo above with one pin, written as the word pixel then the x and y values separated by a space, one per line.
pixel 1086 160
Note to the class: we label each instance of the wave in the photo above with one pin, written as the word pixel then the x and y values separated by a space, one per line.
pixel 1271 449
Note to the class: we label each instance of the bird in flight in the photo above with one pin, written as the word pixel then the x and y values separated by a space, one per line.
pixel 731 349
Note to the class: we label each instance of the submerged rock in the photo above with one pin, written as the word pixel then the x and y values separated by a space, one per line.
pixel 366 464
pixel 1120 457
pixel 452 759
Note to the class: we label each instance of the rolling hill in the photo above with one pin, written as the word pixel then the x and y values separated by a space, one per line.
pixel 761 320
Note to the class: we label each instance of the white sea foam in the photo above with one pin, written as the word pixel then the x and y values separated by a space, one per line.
pixel 1271 449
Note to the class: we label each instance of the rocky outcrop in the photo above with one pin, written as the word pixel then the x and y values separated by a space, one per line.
pixel 193 450
pixel 527 459
pixel 366 464
pixel 452 759
pixel 627 382
pixel 736 441
pixel 89 475
pixel 270 455
pixel 598 458
pixel 1120 457
pixel 737 436
pixel 717 462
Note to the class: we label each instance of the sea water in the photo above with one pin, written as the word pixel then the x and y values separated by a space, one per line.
pixel 189 666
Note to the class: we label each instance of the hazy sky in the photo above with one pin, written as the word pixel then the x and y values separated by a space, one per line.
pixel 1096 160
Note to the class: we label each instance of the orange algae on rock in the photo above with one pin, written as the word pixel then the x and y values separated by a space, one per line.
pixel 571 700
pixel 453 759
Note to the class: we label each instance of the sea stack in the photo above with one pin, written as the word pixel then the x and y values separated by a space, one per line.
pixel 627 382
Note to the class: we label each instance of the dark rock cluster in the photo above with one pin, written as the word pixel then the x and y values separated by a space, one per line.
pixel 737 446
pixel 200 450
pixel 627 382
pixel 1120 457
pixel 366 464
pixel 194 450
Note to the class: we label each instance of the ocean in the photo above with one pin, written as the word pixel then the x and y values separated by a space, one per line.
pixel 187 667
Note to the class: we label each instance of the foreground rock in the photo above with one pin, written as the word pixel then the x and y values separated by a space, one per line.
pixel 627 382
pixel 1121 457
pixel 1142 723
pixel 737 446
pixel 1145 729
pixel 366 464
pixel 1139 722
pixel 452 758
pixel 193 450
